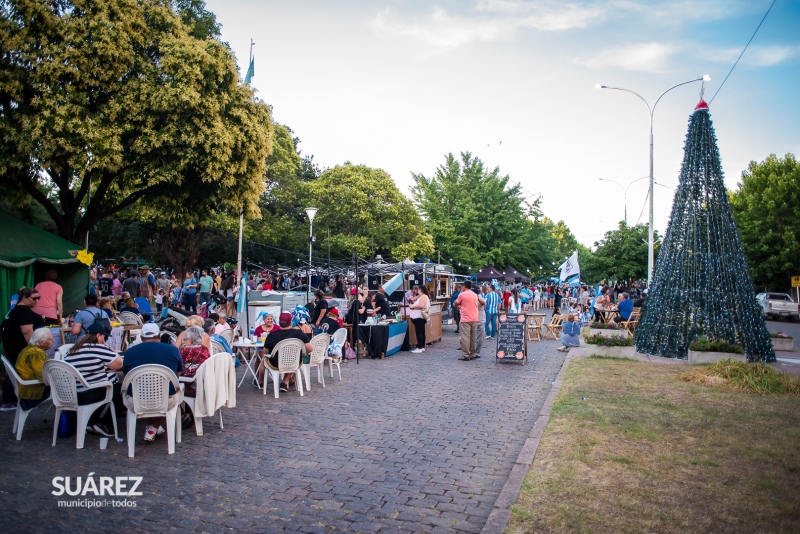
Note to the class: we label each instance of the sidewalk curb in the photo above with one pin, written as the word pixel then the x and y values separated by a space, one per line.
pixel 501 513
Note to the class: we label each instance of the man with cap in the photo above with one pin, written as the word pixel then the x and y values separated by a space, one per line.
pixel 152 351
pixel 147 282
pixel 273 338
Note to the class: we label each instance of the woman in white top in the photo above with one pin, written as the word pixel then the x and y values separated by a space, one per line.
pixel 513 301
pixel 537 298
pixel 419 302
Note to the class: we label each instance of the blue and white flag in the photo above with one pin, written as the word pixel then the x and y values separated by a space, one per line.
pixel 241 307
pixel 570 267
pixel 250 71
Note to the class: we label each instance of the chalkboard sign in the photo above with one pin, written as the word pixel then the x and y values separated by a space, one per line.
pixel 511 344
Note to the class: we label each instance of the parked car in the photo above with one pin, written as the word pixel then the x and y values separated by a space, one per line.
pixel 777 305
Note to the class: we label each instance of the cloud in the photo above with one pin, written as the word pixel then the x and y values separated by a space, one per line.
pixel 497 19
pixel 645 57
pixel 755 55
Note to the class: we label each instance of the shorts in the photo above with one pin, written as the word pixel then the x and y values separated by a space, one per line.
pixel 230 299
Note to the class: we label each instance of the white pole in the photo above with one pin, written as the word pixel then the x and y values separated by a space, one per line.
pixel 239 260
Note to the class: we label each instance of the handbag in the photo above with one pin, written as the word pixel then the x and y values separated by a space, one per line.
pixel 426 313
pixel 349 353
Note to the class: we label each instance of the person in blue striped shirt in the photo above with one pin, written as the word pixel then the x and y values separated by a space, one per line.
pixel 492 303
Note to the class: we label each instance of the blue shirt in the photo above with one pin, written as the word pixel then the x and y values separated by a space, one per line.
pixel 625 308
pixel 492 302
pixel 190 290
pixel 151 352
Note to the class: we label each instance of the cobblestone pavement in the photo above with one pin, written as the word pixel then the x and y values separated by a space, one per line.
pixel 412 443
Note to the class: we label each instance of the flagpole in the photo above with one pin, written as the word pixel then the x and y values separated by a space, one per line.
pixel 241 211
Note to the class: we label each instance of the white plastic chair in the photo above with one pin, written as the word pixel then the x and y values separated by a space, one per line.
pixel 173 339
pixel 63 379
pixel 339 338
pixel 227 335
pixel 130 318
pixel 151 398
pixel 20 415
pixel 216 347
pixel 190 401
pixel 289 353
pixel 317 359
pixel 62 351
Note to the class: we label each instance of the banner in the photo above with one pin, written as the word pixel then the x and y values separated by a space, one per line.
pixel 570 267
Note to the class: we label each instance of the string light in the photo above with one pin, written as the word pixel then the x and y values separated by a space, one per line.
pixel 701 284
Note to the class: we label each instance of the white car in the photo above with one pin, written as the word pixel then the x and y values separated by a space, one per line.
pixel 777 305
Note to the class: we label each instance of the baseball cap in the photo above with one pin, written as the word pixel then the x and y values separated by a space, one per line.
pixel 96 329
pixel 285 319
pixel 334 311
pixel 150 330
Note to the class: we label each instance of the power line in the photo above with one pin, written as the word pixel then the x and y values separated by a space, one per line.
pixel 745 48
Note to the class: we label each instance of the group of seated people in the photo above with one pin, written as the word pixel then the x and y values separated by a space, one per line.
pixel 96 362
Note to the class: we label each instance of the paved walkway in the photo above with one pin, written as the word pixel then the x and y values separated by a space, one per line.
pixel 413 443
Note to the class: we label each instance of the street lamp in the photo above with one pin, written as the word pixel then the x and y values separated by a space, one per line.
pixel 311 212
pixel 625 192
pixel 650 111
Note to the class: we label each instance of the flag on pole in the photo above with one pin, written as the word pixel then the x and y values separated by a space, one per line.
pixel 250 71
pixel 392 285
pixel 241 306
pixel 570 267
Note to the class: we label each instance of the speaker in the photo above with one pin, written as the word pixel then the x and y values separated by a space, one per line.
pixel 414 280
pixel 373 282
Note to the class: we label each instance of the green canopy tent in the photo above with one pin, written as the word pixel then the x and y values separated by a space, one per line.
pixel 27 253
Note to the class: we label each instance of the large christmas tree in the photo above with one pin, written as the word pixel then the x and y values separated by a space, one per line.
pixel 701 285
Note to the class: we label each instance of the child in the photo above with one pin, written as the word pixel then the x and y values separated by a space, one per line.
pixel 160 300
pixel 585 316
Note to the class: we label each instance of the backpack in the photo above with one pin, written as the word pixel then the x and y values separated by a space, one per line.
pixel 103 320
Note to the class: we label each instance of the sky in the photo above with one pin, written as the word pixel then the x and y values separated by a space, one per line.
pixel 398 85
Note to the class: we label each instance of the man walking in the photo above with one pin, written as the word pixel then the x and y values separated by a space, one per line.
pixel 467 304
pixel 492 303
pixel 205 287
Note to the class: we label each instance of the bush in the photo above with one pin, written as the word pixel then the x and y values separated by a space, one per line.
pixel 607 326
pixel 711 344
pixel 780 335
pixel 613 341
pixel 747 377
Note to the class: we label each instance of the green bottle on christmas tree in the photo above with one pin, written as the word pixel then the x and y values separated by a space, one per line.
pixel 701 285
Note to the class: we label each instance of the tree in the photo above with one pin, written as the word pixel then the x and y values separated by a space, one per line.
pixel 701 286
pixel 622 253
pixel 367 214
pixel 476 218
pixel 765 211
pixel 121 100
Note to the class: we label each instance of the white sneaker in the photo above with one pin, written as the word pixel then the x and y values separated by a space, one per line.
pixel 417 351
pixel 488 337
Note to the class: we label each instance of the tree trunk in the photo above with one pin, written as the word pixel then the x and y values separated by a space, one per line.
pixel 181 247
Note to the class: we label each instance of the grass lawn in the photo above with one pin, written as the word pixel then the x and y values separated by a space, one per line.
pixel 647 452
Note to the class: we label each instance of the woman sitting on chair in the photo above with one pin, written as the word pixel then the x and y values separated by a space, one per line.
pixel 96 362
pixel 570 333
pixel 193 354
pixel 130 307
pixel 29 367
pixel 194 320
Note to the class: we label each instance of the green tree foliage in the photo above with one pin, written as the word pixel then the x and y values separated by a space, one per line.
pixel 621 254
pixel 366 214
pixel 475 218
pixel 122 99
pixel 765 211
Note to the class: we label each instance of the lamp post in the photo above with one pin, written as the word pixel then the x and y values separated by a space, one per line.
pixel 650 111
pixel 625 192
pixel 311 212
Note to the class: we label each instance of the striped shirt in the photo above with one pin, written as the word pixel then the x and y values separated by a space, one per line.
pixel 492 302
pixel 92 361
